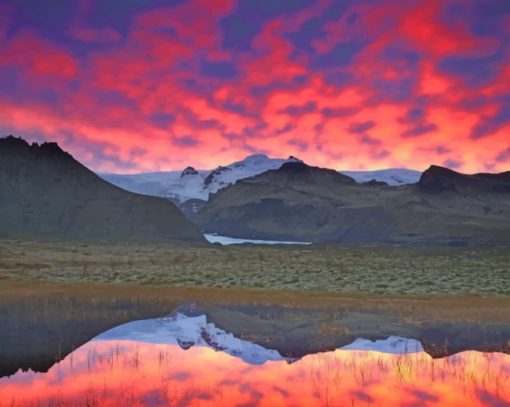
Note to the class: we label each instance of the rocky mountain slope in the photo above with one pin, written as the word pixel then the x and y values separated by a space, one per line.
pixel 303 203
pixel 45 192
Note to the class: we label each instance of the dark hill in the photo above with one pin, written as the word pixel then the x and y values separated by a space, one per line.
pixel 439 179
pixel 302 203
pixel 300 173
pixel 45 192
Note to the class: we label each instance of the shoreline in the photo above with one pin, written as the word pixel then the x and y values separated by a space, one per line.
pixel 436 307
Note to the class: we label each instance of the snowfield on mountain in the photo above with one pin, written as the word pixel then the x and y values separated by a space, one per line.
pixel 191 183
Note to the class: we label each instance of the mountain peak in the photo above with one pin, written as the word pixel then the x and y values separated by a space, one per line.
pixel 440 179
pixel 295 166
pixel 439 170
pixel 13 142
pixel 214 174
pixel 20 147
pixel 294 159
pixel 64 199
pixel 262 160
pixel 254 160
pixel 300 170
pixel 188 171
pixel 256 157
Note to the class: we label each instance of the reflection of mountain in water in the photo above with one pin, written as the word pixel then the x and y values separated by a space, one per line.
pixel 297 332
pixel 188 331
pixel 37 336
pixel 154 370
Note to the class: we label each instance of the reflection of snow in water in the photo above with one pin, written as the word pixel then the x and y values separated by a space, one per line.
pixel 394 345
pixel 190 331
pixel 196 331
pixel 225 240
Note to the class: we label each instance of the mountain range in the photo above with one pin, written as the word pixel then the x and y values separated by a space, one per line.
pixel 45 192
pixel 192 184
pixel 298 202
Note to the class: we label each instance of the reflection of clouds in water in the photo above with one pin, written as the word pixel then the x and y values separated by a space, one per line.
pixel 113 368
pixel 492 400
pixel 362 396
pixel 180 376
pixel 118 371
pixel 423 396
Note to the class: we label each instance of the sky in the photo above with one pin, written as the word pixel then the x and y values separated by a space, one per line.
pixel 137 85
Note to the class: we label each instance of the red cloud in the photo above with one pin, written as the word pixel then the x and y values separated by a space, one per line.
pixel 38 58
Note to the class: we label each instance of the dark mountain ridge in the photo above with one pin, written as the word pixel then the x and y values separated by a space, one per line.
pixel 439 179
pixel 299 172
pixel 45 192
pixel 303 203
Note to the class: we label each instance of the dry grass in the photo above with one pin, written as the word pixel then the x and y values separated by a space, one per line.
pixel 369 269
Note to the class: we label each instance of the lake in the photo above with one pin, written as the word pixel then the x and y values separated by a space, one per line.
pixel 277 356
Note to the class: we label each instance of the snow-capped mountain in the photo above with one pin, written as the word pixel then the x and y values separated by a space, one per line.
pixel 181 186
pixel 250 166
pixel 188 331
pixel 195 184
pixel 147 183
pixel 189 171
pixel 392 176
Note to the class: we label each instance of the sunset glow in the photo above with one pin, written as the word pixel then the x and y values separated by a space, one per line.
pixel 129 86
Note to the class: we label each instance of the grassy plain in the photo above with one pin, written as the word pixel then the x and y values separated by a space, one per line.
pixel 386 270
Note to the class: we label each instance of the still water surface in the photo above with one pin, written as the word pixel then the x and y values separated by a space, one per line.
pixel 183 361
